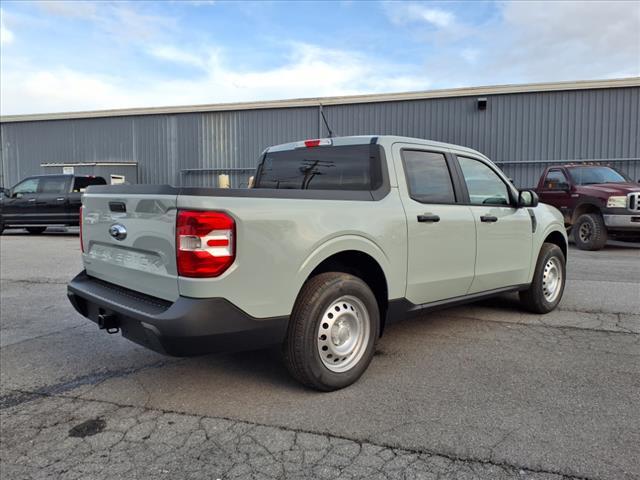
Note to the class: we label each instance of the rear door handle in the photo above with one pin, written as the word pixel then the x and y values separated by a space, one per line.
pixel 428 218
pixel 32 200
pixel 60 199
pixel 488 218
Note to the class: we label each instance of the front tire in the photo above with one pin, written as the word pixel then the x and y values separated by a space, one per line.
pixel 36 230
pixel 590 232
pixel 332 331
pixel 546 289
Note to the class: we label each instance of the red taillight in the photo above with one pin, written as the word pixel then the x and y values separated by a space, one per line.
pixel 205 242
pixel 311 143
pixel 81 220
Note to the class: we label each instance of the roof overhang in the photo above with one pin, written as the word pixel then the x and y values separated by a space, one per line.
pixel 325 101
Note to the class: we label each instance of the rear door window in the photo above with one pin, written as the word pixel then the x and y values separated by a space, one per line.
pixel 53 185
pixel 346 167
pixel 428 177
pixel 81 183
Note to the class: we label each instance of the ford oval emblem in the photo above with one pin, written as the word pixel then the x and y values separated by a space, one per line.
pixel 118 231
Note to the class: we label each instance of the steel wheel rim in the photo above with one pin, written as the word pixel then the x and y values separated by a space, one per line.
pixel 585 232
pixel 552 279
pixel 343 334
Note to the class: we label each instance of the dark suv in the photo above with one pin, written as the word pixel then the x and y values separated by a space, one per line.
pixel 44 200
pixel 597 203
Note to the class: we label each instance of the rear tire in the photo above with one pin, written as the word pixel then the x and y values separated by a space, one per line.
pixel 36 230
pixel 549 278
pixel 332 331
pixel 590 232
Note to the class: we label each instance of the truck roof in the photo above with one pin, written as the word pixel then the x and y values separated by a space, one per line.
pixel 61 175
pixel 381 139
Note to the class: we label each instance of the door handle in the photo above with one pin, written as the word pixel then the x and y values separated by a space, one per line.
pixel 428 218
pixel 32 200
pixel 488 219
pixel 60 199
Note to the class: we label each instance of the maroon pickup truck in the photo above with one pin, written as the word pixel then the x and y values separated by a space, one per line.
pixel 597 202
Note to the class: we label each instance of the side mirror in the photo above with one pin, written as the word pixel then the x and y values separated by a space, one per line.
pixel 564 186
pixel 527 198
pixel 5 192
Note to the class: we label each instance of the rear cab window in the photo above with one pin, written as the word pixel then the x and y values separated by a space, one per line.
pixel 80 184
pixel 54 185
pixel 336 167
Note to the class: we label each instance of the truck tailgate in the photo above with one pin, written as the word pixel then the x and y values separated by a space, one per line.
pixel 143 258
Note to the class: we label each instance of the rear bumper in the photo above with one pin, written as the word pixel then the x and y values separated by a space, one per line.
pixel 626 222
pixel 188 326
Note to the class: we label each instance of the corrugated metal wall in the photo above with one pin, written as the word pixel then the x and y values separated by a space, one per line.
pixel 523 132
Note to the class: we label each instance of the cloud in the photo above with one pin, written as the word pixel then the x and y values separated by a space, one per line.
pixel 601 28
pixel 403 13
pixel 123 21
pixel 197 3
pixel 6 35
pixel 60 89
pixel 126 22
pixel 67 8
pixel 310 71
pixel 540 42
pixel 145 62
pixel 174 54
pixel 568 39
pixel 470 54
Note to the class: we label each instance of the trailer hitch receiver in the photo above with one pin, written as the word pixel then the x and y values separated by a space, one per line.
pixel 108 322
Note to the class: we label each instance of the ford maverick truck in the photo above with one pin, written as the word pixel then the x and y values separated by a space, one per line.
pixel 337 239
pixel 597 202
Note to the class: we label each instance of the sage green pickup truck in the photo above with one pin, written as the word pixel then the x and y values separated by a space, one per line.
pixel 336 239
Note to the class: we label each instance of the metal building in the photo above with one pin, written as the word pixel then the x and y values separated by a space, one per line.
pixel 523 128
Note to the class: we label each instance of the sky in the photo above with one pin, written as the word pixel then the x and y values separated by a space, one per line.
pixel 60 56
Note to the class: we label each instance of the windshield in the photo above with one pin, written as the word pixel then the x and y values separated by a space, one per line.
pixel 595 175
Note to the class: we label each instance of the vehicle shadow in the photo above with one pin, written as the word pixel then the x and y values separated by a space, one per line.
pixel 611 245
pixel 622 246
pixel 507 302
pixel 264 366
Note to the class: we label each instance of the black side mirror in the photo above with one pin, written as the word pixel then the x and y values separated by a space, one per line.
pixel 527 198
pixel 564 186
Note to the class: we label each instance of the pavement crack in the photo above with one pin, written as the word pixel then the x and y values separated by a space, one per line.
pixel 94 378
pixel 37 281
pixel 44 335
pixel 324 451
pixel 542 323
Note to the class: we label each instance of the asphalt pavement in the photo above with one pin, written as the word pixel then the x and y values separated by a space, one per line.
pixel 482 391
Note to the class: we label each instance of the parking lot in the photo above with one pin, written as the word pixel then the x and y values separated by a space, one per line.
pixel 481 391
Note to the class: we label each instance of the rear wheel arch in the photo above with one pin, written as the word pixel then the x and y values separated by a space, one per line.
pixel 363 266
